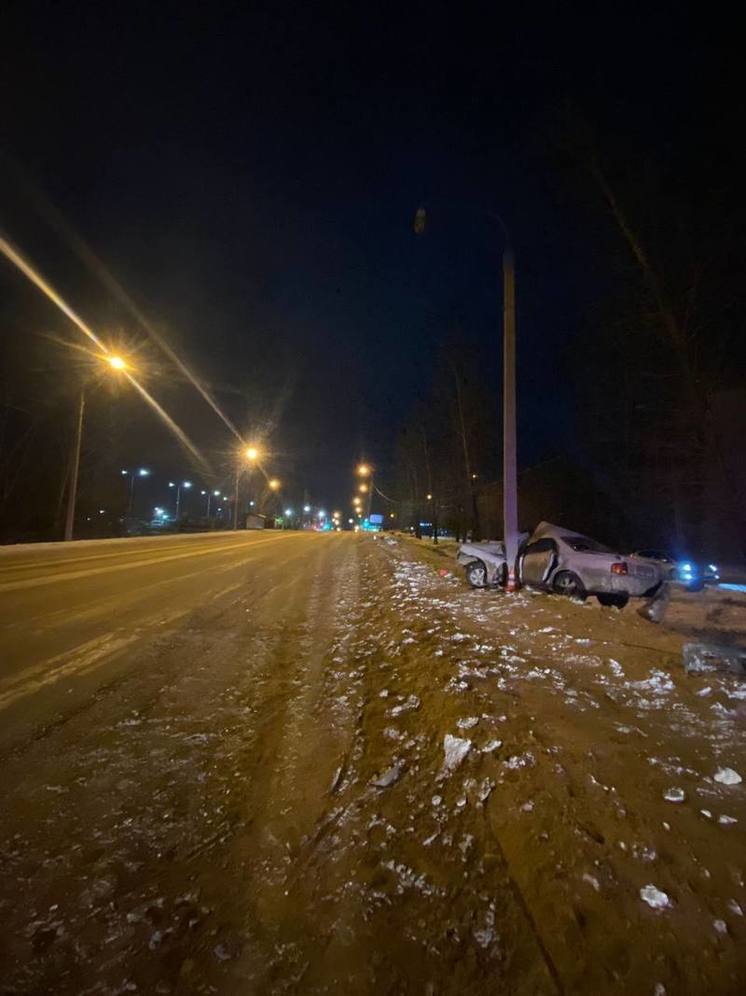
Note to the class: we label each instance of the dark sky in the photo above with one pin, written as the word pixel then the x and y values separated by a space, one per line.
pixel 250 172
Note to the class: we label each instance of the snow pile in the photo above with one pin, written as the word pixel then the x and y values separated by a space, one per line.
pixel 727 776
pixel 456 750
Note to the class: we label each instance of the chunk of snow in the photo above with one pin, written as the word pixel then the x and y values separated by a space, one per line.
pixel 526 760
pixel 436 800
pixel 727 776
pixel 456 750
pixel 735 907
pixel 720 926
pixel 727 821
pixel 655 898
pixel 706 813
pixel 674 795
pixel 468 723
pixel 411 703
pixel 491 745
pixel 591 880
pixel 388 778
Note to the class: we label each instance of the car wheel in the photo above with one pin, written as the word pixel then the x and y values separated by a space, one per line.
pixel 569 584
pixel 476 574
pixel 613 600
pixel 695 586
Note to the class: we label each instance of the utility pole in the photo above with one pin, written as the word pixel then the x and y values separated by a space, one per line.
pixel 235 498
pixel 72 494
pixel 510 471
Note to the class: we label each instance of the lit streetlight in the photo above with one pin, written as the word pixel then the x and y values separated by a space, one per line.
pixel 182 484
pixel 133 475
pixel 118 364
pixel 250 454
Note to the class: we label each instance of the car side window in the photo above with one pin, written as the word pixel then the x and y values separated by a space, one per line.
pixel 542 546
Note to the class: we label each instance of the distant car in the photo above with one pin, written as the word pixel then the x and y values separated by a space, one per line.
pixel 689 573
pixel 557 559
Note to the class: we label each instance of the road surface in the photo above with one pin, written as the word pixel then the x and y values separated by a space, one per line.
pixel 225 771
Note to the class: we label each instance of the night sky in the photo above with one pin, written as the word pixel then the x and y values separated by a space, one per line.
pixel 250 173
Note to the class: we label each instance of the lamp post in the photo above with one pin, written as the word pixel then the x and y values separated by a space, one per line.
pixel 365 471
pixel 182 484
pixel 510 470
pixel 142 472
pixel 210 495
pixel 251 455
pixel 116 363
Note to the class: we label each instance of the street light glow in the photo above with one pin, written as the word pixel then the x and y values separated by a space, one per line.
pixel 363 488
pixel 288 512
pixel 187 484
pixel 306 508
pixel 143 472
pixel 363 470
pixel 252 453
pixel 274 484
pixel 116 362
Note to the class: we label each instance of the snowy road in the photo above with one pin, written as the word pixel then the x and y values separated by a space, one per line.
pixel 314 765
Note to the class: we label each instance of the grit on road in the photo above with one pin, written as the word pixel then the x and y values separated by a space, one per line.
pixel 224 772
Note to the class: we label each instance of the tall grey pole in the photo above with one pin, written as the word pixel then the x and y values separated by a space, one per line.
pixel 132 494
pixel 72 494
pixel 235 500
pixel 510 471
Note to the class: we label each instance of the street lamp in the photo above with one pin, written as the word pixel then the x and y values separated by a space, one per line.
pixel 363 470
pixel 182 484
pixel 133 475
pixel 118 364
pixel 274 484
pixel 510 469
pixel 251 455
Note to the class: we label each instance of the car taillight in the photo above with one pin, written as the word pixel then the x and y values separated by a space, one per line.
pixel 620 568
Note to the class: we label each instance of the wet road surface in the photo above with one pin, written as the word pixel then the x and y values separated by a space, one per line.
pixel 224 772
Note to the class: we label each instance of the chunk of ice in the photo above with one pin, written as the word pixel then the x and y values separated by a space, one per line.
pixel 655 898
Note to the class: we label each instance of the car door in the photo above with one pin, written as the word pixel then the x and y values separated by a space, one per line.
pixel 538 561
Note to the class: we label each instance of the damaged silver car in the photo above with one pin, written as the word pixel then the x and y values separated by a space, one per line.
pixel 557 559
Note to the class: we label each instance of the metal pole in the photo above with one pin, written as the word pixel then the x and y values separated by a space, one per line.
pixel 132 494
pixel 235 500
pixel 72 494
pixel 209 499
pixel 510 471
pixel 178 501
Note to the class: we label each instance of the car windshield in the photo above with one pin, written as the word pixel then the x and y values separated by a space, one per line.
pixel 582 544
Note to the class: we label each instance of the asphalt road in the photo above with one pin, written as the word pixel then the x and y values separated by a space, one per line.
pixel 72 615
